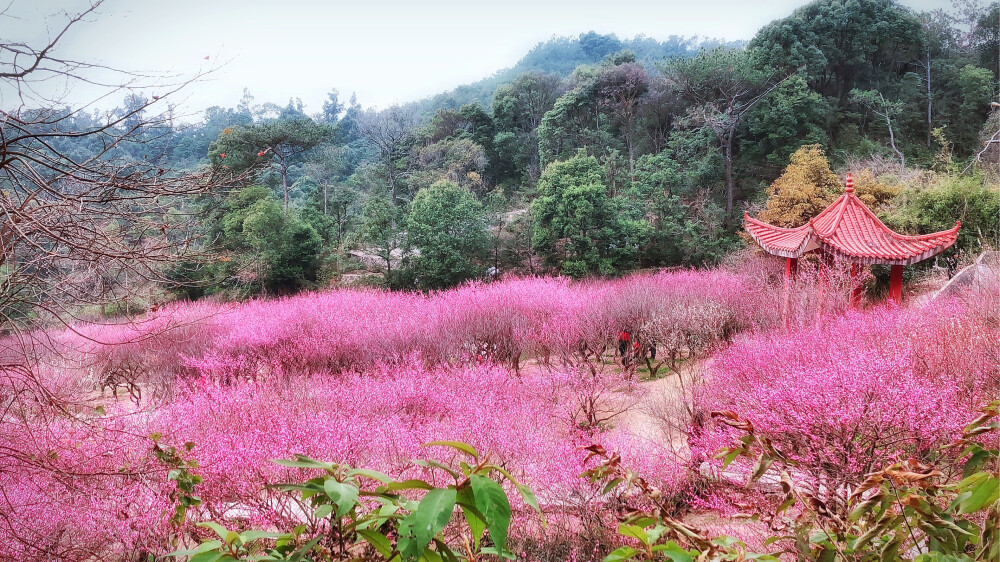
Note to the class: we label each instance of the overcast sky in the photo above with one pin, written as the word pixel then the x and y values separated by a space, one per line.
pixel 388 51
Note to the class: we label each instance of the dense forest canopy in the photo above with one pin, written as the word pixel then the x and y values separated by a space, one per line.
pixel 593 155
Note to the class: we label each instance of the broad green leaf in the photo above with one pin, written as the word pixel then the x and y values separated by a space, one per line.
pixel 431 556
pixel 436 464
pixel 633 531
pixel 373 474
pixel 302 461
pixel 344 496
pixel 890 550
pixel 672 551
pixel 417 529
pixel 985 493
pixel 493 551
pixel 412 484
pixel 323 511
pixel 463 447
pixel 530 499
pixel 203 547
pixel 620 554
pixel 763 463
pixel 444 552
pixel 219 529
pixel 526 493
pixel 729 458
pixel 207 557
pixel 492 502
pixel 611 485
pixel 378 541
pixel 257 535
pixel 477 524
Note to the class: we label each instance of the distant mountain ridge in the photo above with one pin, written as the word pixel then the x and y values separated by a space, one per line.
pixel 561 55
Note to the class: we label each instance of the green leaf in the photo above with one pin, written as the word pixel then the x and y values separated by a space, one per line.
pixel 302 461
pixel 493 551
pixel 986 493
pixel 672 551
pixel 475 519
pixel 492 502
pixel 436 464
pixel 417 529
pixel 620 554
pixel 344 496
pixel 975 461
pixel 529 497
pixel 203 547
pixel 412 484
pixel 729 458
pixel 612 484
pixel 219 529
pixel 373 474
pixel 206 557
pixel 443 551
pixel 476 524
pixel 377 540
pixel 763 463
pixel 463 447
pixel 890 550
pixel 431 556
pixel 323 511
pixel 257 535
pixel 633 531
pixel 526 493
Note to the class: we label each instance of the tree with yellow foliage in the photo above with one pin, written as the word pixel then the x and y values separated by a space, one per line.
pixel 806 187
pixel 874 192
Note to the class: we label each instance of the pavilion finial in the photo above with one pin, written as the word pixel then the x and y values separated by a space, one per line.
pixel 849 186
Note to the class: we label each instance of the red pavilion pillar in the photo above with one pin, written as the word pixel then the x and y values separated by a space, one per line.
pixel 857 290
pixel 896 284
pixel 791 267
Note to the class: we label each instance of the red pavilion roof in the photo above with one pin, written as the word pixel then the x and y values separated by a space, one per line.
pixel 850 229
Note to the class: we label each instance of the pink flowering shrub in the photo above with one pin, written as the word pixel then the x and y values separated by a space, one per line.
pixel 81 491
pixel 856 392
pixel 379 421
pixel 563 324
pixel 92 487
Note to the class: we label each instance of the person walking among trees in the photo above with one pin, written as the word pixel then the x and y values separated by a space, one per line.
pixel 624 338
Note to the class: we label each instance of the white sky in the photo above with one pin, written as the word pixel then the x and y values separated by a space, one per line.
pixel 388 51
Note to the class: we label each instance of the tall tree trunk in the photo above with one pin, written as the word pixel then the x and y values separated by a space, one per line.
pixel 325 189
pixel 892 143
pixel 631 154
pixel 392 180
pixel 929 122
pixel 730 187
pixel 284 183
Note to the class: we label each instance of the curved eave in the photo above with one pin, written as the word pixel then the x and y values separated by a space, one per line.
pixel 942 241
pixel 811 239
pixel 808 243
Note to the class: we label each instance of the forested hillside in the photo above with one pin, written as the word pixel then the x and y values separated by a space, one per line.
pixel 593 155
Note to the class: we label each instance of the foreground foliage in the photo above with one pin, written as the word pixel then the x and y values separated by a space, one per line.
pixel 366 515
pixel 946 511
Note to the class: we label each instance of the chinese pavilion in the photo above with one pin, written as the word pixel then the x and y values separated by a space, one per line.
pixel 849 230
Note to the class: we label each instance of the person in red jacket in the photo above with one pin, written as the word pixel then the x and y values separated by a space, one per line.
pixel 624 337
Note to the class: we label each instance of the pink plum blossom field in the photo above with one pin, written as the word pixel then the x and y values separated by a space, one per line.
pixel 97 430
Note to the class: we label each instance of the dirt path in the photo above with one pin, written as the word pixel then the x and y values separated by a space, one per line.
pixel 658 416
